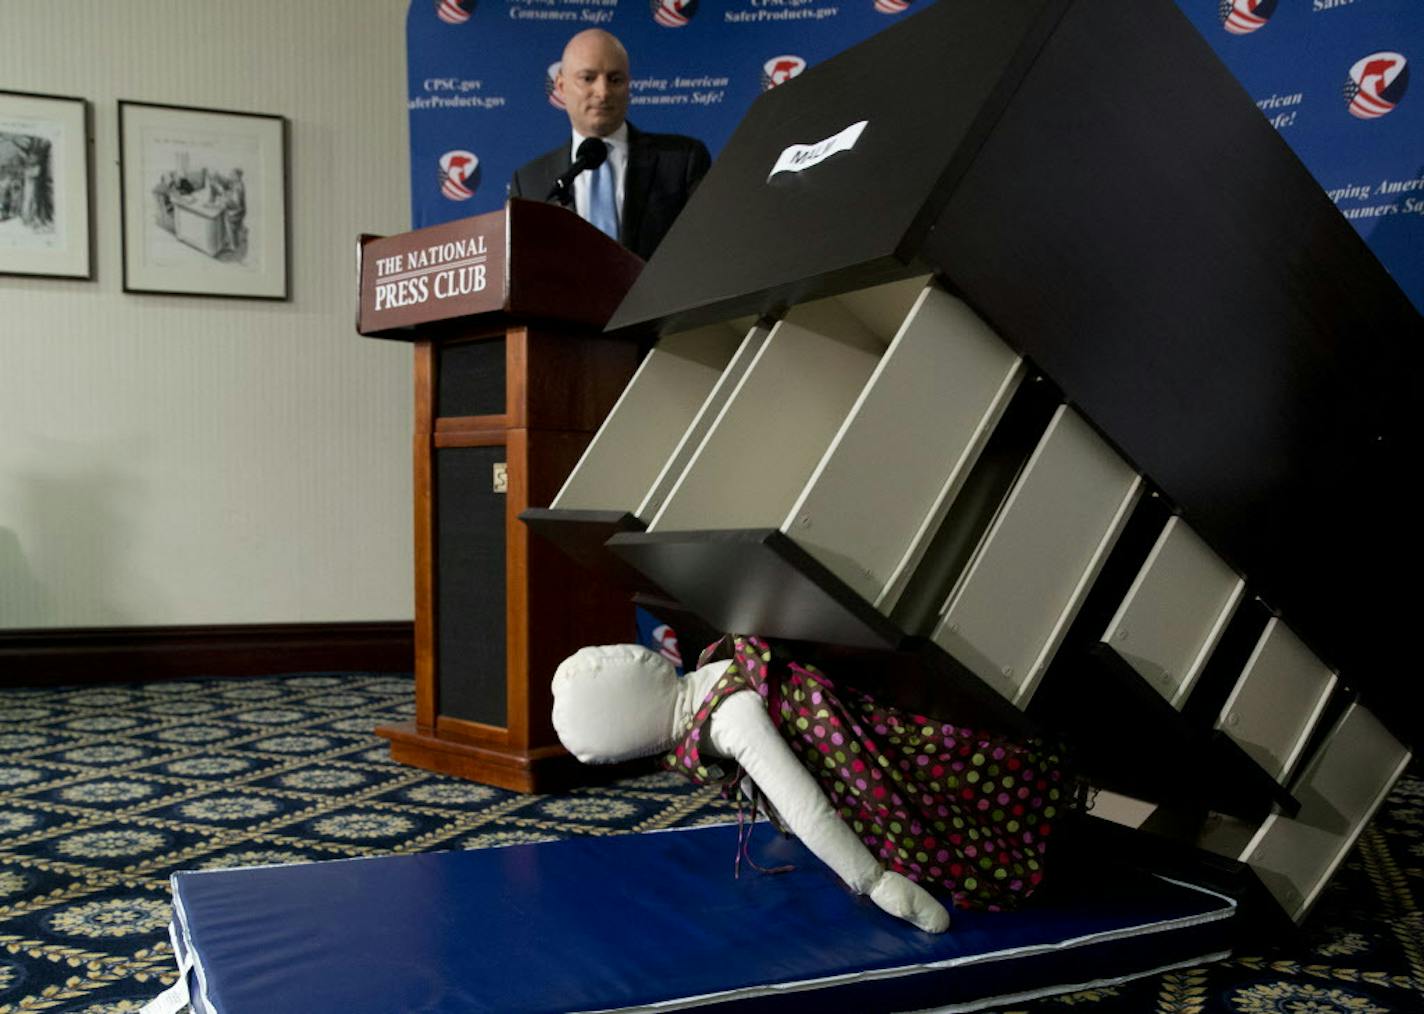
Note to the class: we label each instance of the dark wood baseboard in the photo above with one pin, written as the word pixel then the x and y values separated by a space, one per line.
pixel 108 654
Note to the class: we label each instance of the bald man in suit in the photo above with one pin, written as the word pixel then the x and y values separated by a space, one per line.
pixel 653 174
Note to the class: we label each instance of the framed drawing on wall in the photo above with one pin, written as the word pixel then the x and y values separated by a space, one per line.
pixel 45 215
pixel 204 199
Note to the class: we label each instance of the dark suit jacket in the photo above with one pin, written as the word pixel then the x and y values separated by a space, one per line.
pixel 663 170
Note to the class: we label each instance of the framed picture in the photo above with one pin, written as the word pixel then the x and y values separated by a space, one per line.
pixel 204 199
pixel 44 186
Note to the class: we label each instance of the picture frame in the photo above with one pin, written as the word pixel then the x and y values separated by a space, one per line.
pixel 46 188
pixel 203 198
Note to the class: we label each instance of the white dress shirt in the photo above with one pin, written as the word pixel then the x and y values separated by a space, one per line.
pixel 617 159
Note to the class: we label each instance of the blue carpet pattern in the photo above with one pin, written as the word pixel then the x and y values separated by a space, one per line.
pixel 106 790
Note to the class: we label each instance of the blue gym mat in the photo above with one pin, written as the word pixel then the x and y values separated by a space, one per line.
pixel 651 922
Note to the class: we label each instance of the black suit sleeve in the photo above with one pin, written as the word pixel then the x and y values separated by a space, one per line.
pixel 535 178
pixel 698 162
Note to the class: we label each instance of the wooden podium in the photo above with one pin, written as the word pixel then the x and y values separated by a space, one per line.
pixel 512 378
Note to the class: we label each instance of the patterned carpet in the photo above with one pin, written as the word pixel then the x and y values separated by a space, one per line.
pixel 105 790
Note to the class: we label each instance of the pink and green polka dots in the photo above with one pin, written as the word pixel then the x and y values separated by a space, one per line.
pixel 948 807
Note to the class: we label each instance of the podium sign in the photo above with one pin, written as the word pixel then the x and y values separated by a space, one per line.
pixel 445 271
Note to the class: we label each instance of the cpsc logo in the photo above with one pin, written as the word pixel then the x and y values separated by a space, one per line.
pixel 666 639
pixel 1376 85
pixel 779 70
pixel 673 13
pixel 892 6
pixel 1242 17
pixel 551 85
pixel 453 12
pixel 459 175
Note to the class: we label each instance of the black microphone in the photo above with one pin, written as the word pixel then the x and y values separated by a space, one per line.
pixel 591 154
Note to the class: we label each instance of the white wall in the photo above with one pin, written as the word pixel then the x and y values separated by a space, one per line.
pixel 190 460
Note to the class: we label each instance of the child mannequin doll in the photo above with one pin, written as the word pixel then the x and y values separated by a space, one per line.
pixel 888 800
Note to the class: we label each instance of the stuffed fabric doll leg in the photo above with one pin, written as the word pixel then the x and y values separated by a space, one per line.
pixel 617 702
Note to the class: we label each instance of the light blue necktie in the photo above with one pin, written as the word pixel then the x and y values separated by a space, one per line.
pixel 602 203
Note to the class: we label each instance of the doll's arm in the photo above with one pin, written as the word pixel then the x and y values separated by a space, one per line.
pixel 742 730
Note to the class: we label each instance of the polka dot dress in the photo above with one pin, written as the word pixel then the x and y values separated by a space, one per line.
pixel 948 807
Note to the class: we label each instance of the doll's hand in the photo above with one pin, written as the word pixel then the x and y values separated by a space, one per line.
pixel 905 899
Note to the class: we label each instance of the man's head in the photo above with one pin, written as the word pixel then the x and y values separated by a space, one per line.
pixel 593 79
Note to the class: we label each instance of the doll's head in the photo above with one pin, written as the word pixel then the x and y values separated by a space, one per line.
pixel 615 702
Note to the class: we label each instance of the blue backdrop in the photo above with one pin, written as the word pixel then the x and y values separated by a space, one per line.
pixel 1331 75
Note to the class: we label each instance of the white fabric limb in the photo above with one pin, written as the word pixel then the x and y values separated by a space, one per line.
pixel 741 729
